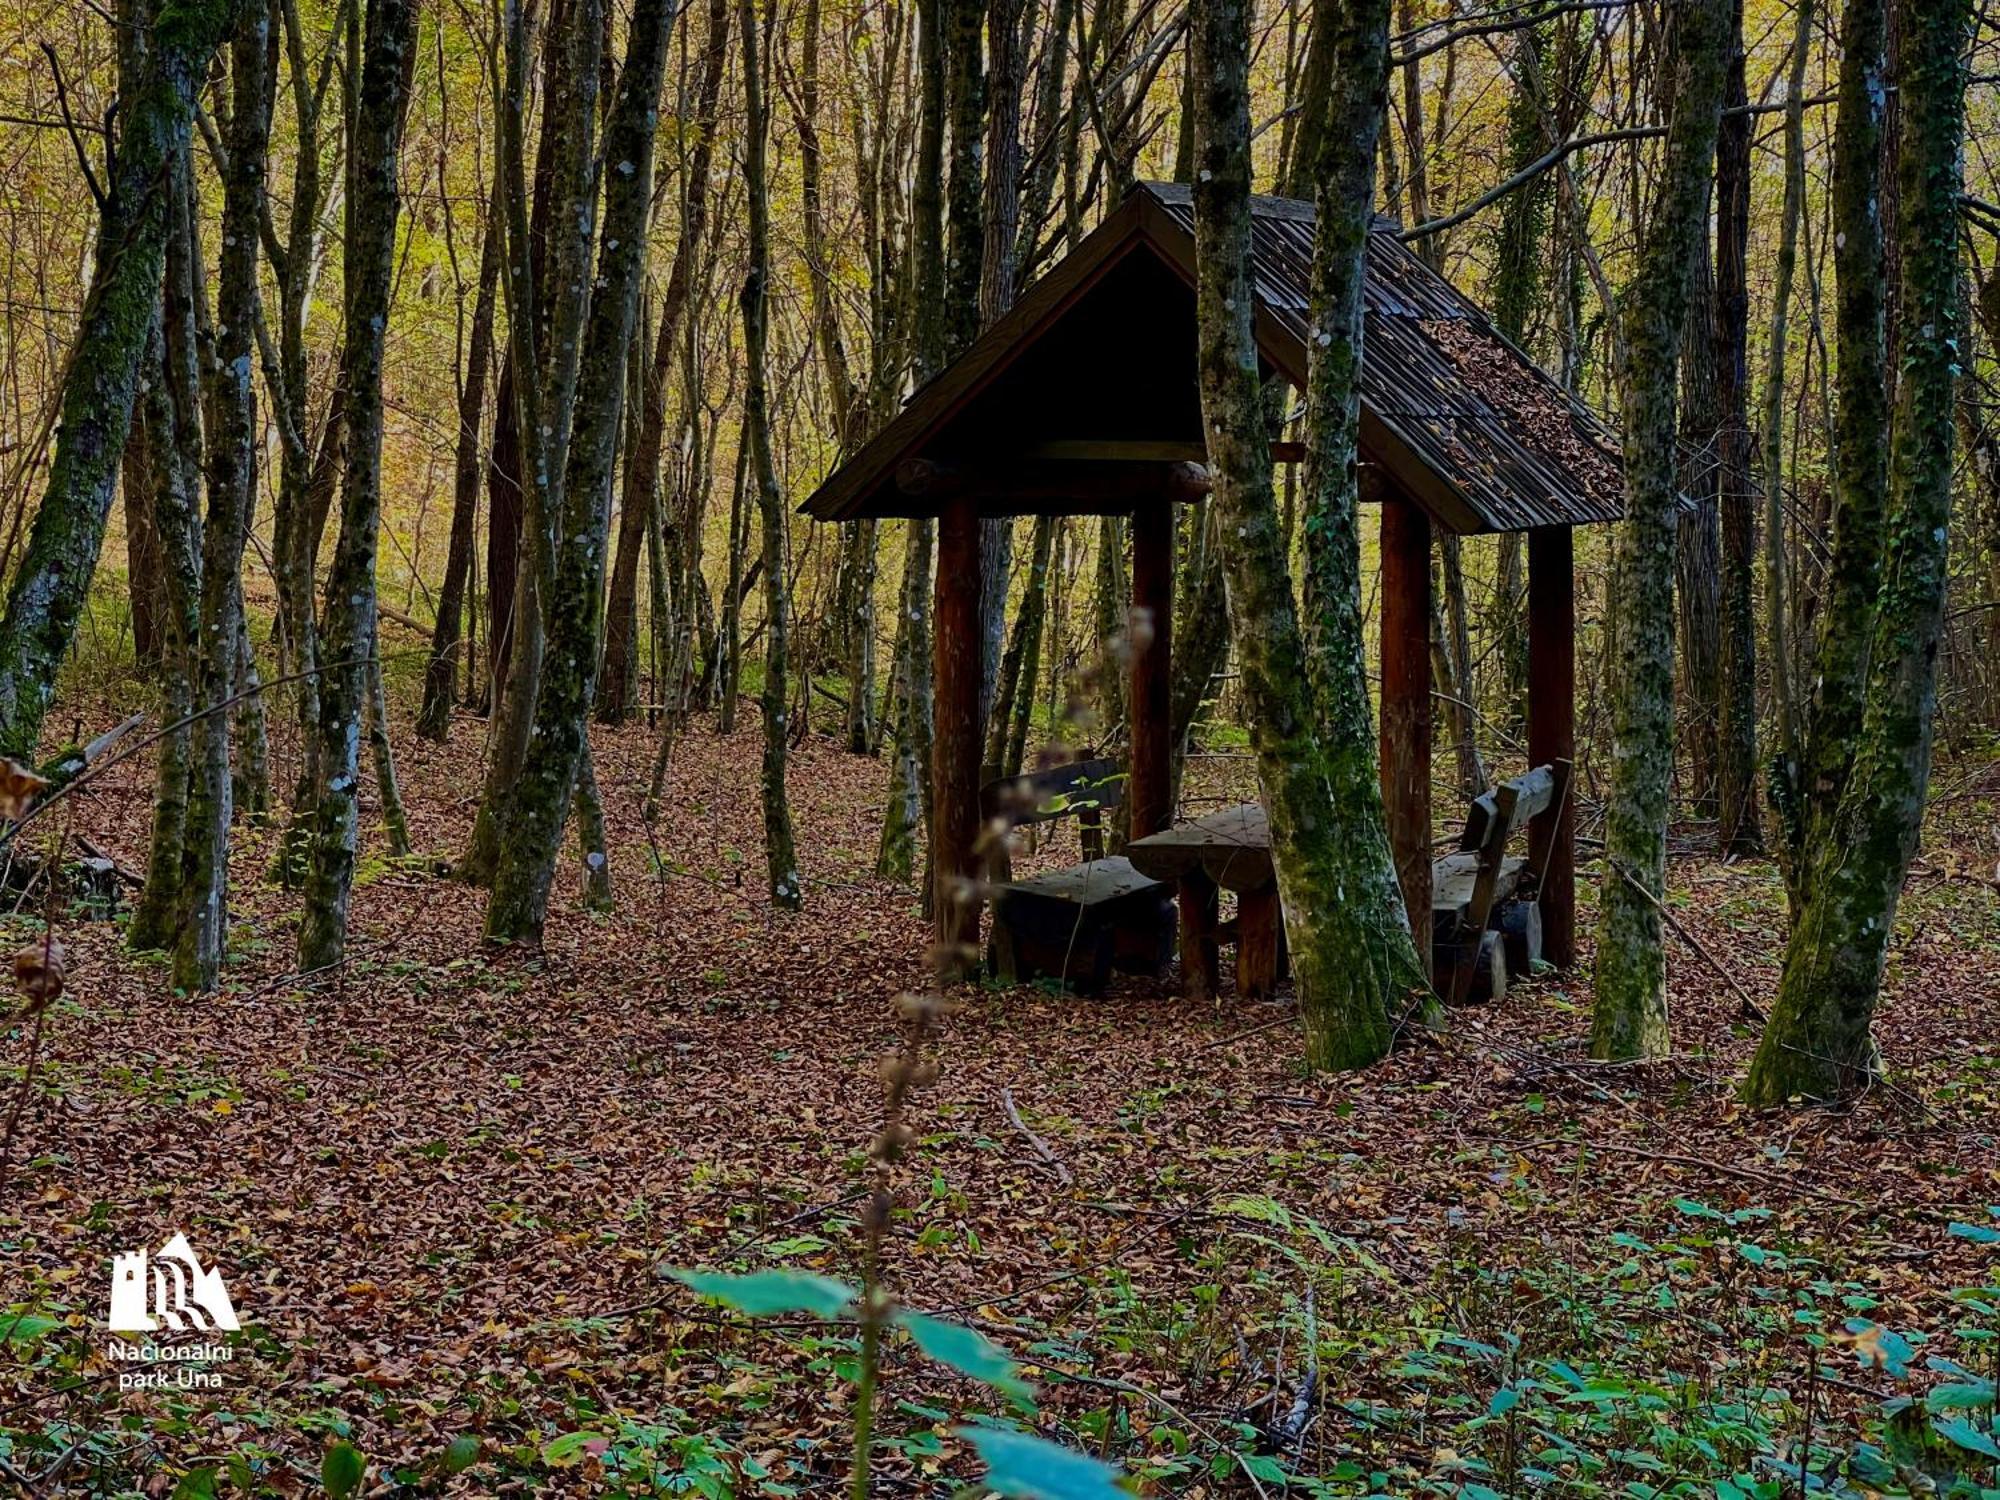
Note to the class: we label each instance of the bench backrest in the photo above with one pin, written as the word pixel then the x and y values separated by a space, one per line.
pixel 1081 789
pixel 1495 817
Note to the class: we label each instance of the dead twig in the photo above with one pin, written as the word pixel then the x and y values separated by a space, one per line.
pixel 1041 1146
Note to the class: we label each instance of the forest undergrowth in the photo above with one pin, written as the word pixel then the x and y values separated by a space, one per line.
pixel 448 1189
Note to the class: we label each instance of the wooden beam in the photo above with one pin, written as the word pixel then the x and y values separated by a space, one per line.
pixel 1070 487
pixel 1552 725
pixel 1141 450
pixel 955 742
pixel 1406 706
pixel 1150 793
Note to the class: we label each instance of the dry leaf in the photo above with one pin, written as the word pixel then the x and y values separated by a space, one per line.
pixel 39 969
pixel 19 787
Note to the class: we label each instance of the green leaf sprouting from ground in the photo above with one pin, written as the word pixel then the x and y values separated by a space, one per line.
pixel 764 1294
pixel 967 1351
pixel 1031 1468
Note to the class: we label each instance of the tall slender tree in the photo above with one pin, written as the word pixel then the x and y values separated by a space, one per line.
pixel 232 479
pixel 1630 1015
pixel 781 853
pixel 372 207
pixel 574 598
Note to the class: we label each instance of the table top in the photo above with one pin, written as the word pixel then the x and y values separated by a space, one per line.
pixel 1231 847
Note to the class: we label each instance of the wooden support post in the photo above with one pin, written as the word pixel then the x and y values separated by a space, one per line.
pixel 955 744
pixel 1406 705
pixel 1552 725
pixel 1259 928
pixel 1149 796
pixel 1200 905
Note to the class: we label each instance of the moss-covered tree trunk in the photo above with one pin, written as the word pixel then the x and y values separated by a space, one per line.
pixel 350 617
pixel 1860 451
pixel 1365 969
pixel 573 605
pixel 1817 1043
pixel 1630 1005
pixel 101 382
pixel 156 914
pixel 302 474
pixel 1307 703
pixel 546 277
pixel 232 478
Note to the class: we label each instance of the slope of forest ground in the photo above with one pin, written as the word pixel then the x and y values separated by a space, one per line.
pixel 444 1187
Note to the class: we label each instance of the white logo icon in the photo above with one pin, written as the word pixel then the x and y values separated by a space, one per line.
pixel 183 1295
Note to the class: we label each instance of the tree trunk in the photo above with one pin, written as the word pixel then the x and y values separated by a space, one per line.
pixel 350 617
pixel 1308 707
pixel 1861 449
pixel 100 384
pixel 642 468
pixel 1736 720
pixel 540 798
pixel 441 671
pixel 144 566
pixel 1630 1018
pixel 1698 555
pixel 1785 765
pixel 1817 1043
pixel 781 856
pixel 1007 727
pixel 156 915
pixel 232 479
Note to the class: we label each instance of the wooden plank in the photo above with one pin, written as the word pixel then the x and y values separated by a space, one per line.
pixel 1533 792
pixel 955 745
pixel 1406 705
pixel 1150 633
pixel 1454 877
pixel 1232 848
pixel 1552 726
pixel 1088 884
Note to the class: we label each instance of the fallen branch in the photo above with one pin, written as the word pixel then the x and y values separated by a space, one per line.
pixel 1041 1147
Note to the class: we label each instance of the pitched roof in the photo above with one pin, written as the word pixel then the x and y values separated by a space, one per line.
pixel 1102 350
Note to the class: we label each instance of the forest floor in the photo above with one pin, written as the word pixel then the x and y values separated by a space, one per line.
pixel 445 1187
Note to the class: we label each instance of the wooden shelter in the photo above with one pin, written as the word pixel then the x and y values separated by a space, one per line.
pixel 1083 400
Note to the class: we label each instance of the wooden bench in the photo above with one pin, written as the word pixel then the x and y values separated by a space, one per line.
pixel 1485 920
pixel 1079 923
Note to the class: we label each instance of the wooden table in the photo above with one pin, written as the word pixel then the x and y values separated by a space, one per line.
pixel 1225 851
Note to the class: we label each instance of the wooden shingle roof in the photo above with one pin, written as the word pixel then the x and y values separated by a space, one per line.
pixel 1099 354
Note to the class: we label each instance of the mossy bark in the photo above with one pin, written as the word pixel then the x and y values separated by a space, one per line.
pixel 172 46
pixel 1306 703
pixel 156 915
pixel 1860 450
pixel 350 617
pixel 1362 969
pixel 541 796
pixel 1629 1017
pixel 231 431
pixel 1817 1043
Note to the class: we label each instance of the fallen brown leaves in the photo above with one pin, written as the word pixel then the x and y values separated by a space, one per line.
pixel 437 1178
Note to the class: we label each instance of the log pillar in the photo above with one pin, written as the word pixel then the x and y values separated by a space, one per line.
pixel 1149 794
pixel 1552 725
pixel 1406 706
pixel 955 743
